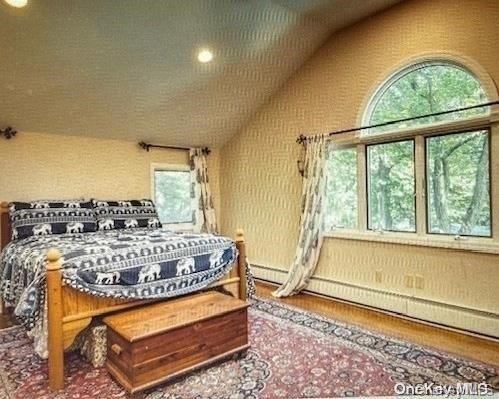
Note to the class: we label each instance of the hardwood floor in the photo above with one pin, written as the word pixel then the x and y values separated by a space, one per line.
pixel 449 341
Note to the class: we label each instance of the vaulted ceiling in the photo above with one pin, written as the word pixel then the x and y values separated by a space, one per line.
pixel 128 69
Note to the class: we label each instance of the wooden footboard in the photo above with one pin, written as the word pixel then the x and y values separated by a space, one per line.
pixel 70 311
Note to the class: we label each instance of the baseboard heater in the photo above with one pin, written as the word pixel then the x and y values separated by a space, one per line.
pixel 399 305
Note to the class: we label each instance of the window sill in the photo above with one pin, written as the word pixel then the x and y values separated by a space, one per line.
pixel 472 244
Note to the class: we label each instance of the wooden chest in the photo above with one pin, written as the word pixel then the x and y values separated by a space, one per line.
pixel 149 345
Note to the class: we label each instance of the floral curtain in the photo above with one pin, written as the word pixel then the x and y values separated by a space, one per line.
pixel 202 202
pixel 250 281
pixel 311 221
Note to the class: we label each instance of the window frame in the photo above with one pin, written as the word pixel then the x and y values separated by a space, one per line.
pixel 166 167
pixel 414 186
pixel 422 237
pixel 354 148
pixel 491 208
pixel 419 133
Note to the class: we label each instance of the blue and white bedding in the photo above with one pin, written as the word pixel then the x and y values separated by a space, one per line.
pixel 139 264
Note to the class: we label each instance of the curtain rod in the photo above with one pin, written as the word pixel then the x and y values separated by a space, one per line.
pixel 302 138
pixel 147 147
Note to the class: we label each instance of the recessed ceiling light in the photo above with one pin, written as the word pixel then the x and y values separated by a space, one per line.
pixel 17 3
pixel 205 56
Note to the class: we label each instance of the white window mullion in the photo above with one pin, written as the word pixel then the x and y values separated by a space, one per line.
pixel 494 178
pixel 420 165
pixel 362 187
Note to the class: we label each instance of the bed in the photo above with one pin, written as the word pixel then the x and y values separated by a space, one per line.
pixel 80 276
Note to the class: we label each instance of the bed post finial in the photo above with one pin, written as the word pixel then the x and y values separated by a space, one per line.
pixel 239 235
pixel 241 263
pixel 55 315
pixel 53 259
pixel 4 205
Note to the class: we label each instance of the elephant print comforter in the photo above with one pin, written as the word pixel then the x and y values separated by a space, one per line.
pixel 138 263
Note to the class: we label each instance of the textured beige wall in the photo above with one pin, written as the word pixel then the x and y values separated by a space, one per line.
pixel 261 186
pixel 35 165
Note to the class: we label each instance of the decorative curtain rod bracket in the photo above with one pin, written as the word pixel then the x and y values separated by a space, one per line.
pixel 300 163
pixel 8 132
pixel 147 147
pixel 302 139
pixel 144 146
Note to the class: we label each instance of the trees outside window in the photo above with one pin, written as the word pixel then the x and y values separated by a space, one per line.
pixel 172 189
pixel 425 89
pixel 458 184
pixel 341 190
pixel 390 171
pixel 431 178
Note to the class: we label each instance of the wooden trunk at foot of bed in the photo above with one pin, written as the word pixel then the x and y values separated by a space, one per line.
pixel 70 311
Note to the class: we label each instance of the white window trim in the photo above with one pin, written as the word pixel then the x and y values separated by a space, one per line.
pixel 473 244
pixel 170 168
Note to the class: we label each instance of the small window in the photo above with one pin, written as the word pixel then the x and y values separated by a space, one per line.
pixel 172 193
pixel 391 188
pixel 458 184
pixel 341 206
pixel 426 88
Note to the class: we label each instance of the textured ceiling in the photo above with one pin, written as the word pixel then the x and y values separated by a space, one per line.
pixel 127 68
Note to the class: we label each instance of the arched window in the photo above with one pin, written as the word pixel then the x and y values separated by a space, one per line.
pixel 426 176
pixel 425 88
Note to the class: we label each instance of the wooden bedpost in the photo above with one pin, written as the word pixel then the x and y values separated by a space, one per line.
pixel 241 264
pixel 4 224
pixel 4 236
pixel 55 314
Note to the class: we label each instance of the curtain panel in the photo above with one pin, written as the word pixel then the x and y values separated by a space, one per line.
pixel 203 217
pixel 311 220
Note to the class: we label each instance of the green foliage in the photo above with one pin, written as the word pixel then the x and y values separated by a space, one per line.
pixel 341 199
pixel 457 165
pixel 429 89
pixel 391 186
pixel 173 196
pixel 458 178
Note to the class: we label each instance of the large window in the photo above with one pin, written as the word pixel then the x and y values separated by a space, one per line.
pixel 429 176
pixel 172 194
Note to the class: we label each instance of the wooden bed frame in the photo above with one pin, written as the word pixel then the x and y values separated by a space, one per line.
pixel 70 311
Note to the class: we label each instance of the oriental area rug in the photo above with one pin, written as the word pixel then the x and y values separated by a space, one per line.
pixel 293 354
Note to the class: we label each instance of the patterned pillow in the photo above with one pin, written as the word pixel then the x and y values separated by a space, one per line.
pixel 58 217
pixel 113 215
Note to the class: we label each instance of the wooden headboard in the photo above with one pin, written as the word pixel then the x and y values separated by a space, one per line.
pixel 5 229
